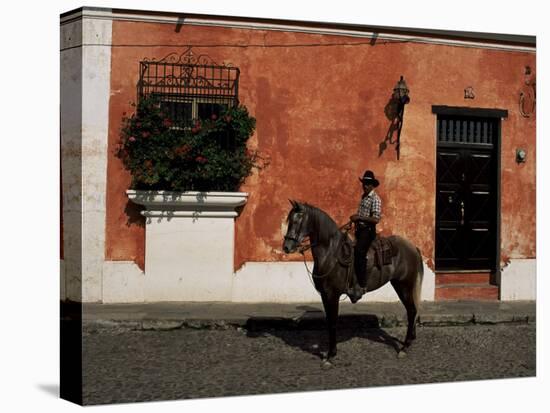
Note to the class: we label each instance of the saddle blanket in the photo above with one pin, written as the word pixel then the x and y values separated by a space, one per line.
pixel 382 251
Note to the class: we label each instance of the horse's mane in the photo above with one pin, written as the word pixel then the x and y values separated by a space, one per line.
pixel 325 226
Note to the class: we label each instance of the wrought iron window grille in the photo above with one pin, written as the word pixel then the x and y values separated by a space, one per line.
pixel 466 130
pixel 190 87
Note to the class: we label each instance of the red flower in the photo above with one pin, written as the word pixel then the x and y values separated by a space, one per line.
pixel 132 139
pixel 201 159
pixel 182 150
pixel 167 122
pixel 214 116
pixel 145 134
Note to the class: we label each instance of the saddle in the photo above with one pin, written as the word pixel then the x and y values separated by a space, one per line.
pixel 381 252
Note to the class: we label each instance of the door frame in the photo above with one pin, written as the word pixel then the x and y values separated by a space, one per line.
pixel 499 114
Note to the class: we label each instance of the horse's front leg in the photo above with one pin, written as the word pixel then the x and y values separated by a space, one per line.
pixel 331 303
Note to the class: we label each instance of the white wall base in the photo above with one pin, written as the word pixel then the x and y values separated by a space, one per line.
pixel 274 282
pixel 189 244
pixel 172 278
pixel 428 284
pixel 289 282
pixel 518 280
pixel 189 259
pixel 123 282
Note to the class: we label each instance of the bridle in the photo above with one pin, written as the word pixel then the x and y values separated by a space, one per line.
pixel 293 236
pixel 305 244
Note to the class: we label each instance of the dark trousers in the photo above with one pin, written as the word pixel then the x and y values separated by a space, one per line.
pixel 363 238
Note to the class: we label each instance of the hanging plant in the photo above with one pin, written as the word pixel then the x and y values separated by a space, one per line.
pixel 212 155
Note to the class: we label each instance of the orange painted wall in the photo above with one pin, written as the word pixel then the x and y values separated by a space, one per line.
pixel 319 106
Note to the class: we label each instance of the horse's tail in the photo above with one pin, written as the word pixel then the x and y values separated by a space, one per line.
pixel 417 289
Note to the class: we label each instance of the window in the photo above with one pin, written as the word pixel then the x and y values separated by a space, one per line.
pixel 183 111
pixel 208 109
pixel 189 87
pixel 179 110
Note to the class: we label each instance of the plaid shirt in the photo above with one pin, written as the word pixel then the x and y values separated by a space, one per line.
pixel 370 206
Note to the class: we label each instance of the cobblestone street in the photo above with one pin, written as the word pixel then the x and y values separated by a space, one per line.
pixel 121 365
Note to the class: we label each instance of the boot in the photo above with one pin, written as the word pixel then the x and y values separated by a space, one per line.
pixel 355 293
pixel 360 287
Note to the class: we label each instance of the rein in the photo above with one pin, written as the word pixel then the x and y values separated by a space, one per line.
pixel 345 260
pixel 303 248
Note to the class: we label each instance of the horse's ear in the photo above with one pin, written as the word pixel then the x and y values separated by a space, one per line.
pixel 293 203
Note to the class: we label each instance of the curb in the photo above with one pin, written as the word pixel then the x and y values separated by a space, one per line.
pixel 352 321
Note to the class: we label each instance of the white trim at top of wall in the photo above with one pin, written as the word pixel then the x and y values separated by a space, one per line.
pixel 108 14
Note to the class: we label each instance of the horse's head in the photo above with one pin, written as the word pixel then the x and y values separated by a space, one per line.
pixel 297 227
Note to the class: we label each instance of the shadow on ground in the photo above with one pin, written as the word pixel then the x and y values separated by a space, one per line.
pixel 51 389
pixel 308 332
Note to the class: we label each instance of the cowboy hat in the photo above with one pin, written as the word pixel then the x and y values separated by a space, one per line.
pixel 368 178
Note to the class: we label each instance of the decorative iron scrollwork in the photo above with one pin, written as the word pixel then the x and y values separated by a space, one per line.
pixel 189 75
pixel 188 80
pixel 528 94
pixel 188 58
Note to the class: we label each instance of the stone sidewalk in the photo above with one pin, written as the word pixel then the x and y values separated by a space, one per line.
pixel 167 316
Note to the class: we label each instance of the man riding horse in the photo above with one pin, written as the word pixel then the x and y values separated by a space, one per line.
pixel 366 218
pixel 401 265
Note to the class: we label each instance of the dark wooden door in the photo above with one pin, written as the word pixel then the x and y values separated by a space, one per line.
pixel 466 201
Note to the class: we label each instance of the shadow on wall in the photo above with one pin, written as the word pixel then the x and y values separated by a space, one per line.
pixel 133 213
pixel 391 110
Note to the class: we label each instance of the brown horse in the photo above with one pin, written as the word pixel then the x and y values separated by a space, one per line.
pixel 333 267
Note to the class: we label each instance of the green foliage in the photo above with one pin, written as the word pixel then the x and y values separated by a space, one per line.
pixel 210 156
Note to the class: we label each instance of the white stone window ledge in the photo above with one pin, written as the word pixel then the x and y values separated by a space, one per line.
pixel 188 204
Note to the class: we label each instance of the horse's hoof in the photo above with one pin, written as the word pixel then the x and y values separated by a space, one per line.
pixel 326 364
pixel 402 354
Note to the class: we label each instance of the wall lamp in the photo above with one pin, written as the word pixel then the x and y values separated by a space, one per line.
pixel 401 92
